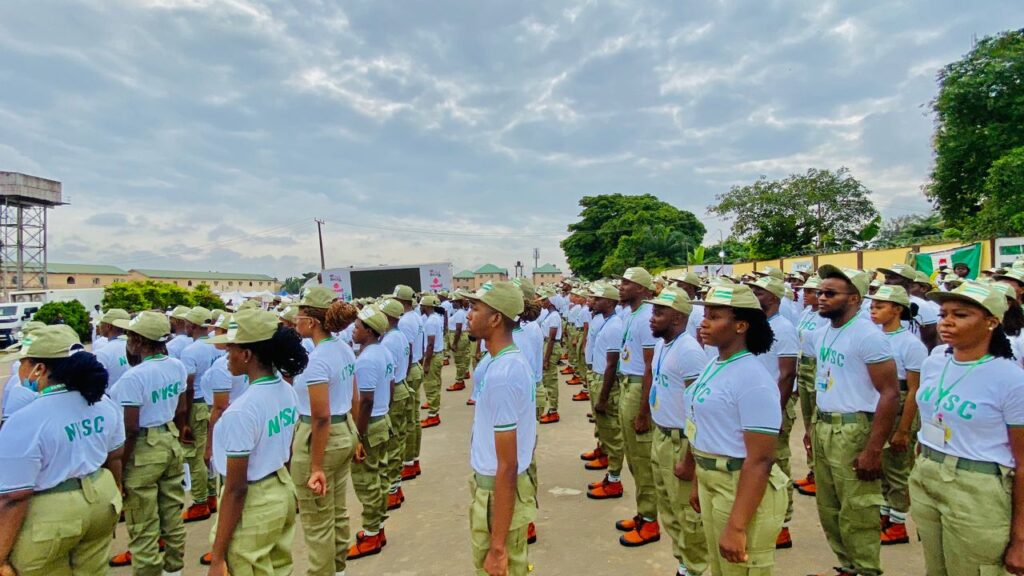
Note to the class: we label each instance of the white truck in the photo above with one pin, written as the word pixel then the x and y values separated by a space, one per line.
pixel 24 303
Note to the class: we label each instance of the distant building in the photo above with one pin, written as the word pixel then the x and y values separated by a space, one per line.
pixel 547 273
pixel 464 279
pixel 217 281
pixel 488 273
pixel 62 276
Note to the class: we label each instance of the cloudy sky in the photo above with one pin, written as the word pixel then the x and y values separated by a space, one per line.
pixel 207 134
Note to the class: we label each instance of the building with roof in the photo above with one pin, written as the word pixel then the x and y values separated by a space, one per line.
pixel 217 281
pixel 62 276
pixel 547 273
pixel 464 279
pixel 488 273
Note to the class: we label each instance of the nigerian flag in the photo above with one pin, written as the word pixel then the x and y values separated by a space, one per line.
pixel 930 262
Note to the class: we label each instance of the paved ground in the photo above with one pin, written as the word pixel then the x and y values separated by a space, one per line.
pixel 428 536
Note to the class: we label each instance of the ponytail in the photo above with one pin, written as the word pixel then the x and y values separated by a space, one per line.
pixel 80 372
pixel 339 316
pixel 999 346
pixel 283 352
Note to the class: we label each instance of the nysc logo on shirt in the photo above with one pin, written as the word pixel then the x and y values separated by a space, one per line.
pixel 831 356
pixel 284 419
pixel 84 428
pixel 167 392
pixel 700 391
pixel 952 403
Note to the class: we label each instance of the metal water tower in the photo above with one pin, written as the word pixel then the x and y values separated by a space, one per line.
pixel 24 201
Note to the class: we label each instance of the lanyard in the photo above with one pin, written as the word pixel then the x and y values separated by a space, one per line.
pixel 718 367
pixel 664 349
pixel 838 334
pixel 483 376
pixel 625 336
pixel 943 392
pixel 265 380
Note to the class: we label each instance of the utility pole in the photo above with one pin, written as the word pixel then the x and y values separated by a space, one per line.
pixel 320 234
pixel 536 258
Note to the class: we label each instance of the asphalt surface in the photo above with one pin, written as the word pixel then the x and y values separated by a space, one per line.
pixel 429 535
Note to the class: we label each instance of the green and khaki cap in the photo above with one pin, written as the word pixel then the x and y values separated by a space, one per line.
pixel 51 342
pixel 894 294
pixel 639 275
pixel 374 318
pixel 976 293
pixel 526 286
pixel 25 335
pixel 199 316
pixel 150 325
pixel 604 290
pixel 770 272
pixel 225 322
pixel 113 314
pixel 249 305
pixel 250 326
pixel 403 292
pixel 505 297
pixel 675 298
pixel 430 300
pixel 922 278
pixel 907 272
pixel 771 284
pixel 812 283
pixel 179 312
pixel 732 295
pixel 289 314
pixel 393 308
pixel 858 278
pixel 1012 274
pixel 1005 289
pixel 686 277
pixel 317 297
pixel 215 314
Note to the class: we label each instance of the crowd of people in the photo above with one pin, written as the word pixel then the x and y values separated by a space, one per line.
pixel 909 389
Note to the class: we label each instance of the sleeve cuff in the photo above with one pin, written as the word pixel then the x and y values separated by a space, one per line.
pixel 505 427
pixel 768 431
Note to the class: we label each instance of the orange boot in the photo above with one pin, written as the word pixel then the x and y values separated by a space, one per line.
pixel 644 533
pixel 895 534
pixel 366 545
pixel 550 418
pixel 784 539
pixel 408 472
pixel 600 463
pixel 430 421
pixel 567 370
pixel 196 513
pixel 122 559
pixel 394 501
pixel 211 503
pixel 581 396
pixel 607 489
pixel 592 454
pixel 206 559
pixel 531 533
pixel 458 385
pixel 575 380
pixel 629 524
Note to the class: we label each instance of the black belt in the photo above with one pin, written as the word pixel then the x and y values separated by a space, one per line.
pixel 158 428
pixel 845 418
pixel 676 433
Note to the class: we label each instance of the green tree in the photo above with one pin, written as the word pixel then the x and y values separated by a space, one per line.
pixel 979 112
pixel 799 213
pixel 735 251
pixel 293 284
pixel 696 256
pixel 1001 212
pixel 910 230
pixel 141 295
pixel 71 312
pixel 616 231
pixel 203 296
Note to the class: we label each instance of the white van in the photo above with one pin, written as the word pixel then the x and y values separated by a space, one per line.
pixel 12 316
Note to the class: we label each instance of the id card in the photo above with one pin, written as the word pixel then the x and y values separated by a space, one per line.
pixel 691 429
pixel 933 433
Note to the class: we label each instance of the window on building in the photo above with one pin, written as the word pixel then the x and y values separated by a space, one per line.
pixel 95 281
pixel 250 283
pixel 190 283
pixel 216 283
pixel 231 283
pixel 71 280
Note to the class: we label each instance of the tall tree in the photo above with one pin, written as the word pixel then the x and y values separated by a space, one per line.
pixel 1002 213
pixel 616 231
pixel 819 209
pixel 978 117
pixel 911 229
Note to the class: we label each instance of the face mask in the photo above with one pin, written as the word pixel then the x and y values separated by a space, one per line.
pixel 32 385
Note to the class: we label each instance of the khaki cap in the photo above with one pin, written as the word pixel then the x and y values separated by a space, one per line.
pixel 526 286
pixel 732 295
pixel 226 322
pixel 1007 291
pixel 215 314
pixel 317 297
pixel 976 293
pixel 110 316
pixel 639 275
pixel 179 312
pixel 430 300
pixel 812 283
pixel 922 278
pixel 674 298
pixel 771 284
pixel 403 292
pixel 771 272
pixel 889 293
pixel 393 308
pixel 1013 274
pixel 251 326
pixel 150 325
pixel 606 291
pixel 289 314
pixel 50 342
pixel 199 316
pixel 907 272
pixel 858 278
pixel 249 305
pixel 686 277
pixel 505 297
pixel 374 318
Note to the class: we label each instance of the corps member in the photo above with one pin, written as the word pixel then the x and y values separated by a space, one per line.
pixel 678 360
pixel 857 401
pixel 400 349
pixel 965 490
pixel 152 395
pixel 252 443
pixel 179 336
pixel 411 325
pixel 460 341
pixel 433 330
pixel 732 423
pixel 113 355
pixel 324 440
pixel 605 391
pixel 691 284
pixel 15 396
pixel 551 327
pixel 810 321
pixel 889 306
pixel 60 463
pixel 197 357
pixel 636 366
pixel 374 373
pixel 504 436
pixel 924 317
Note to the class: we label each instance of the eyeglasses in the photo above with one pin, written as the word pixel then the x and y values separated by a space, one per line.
pixel 297 318
pixel 831 293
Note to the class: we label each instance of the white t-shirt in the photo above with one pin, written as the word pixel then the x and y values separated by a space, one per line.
pixel 177 345
pixel 588 350
pixel 219 379
pixel 675 363
pixel 398 345
pixel 458 320
pixel 411 324
pixel 729 398
pixel 809 322
pixel 582 317
pixel 153 386
pixel 636 338
pixel 375 370
pixel 573 315
pixel 552 320
pixel 56 437
pixel 433 325
pixel 608 339
pixel 927 315
pixel 197 358
pixel 506 401
pixel 785 345
pixel 969 418
pixel 98 342
pixel 907 350
pixel 333 362
pixel 308 344
pixel 842 382
pixel 260 426
pixel 530 341
pixel 693 322
pixel 15 398
pixel 114 357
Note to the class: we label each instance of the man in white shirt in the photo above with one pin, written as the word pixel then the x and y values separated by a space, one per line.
pixel 926 320
pixel 691 284
pixel 606 345
pixel 181 338
pixel 857 400
pixel 197 358
pixel 411 324
pixel 113 356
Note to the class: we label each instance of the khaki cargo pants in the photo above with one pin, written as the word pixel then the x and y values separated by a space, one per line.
pixel 432 383
pixel 370 477
pixel 412 415
pixel 609 428
pixel 399 432
pixel 637 446
pixel 199 422
pixel 678 519
pixel 783 453
pixel 525 511
pixel 262 542
pixel 548 401
pixel 462 357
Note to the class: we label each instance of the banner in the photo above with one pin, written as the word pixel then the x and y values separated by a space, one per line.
pixel 931 262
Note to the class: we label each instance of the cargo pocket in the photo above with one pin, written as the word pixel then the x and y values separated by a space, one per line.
pixel 49 535
pixel 992 570
pixel 378 433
